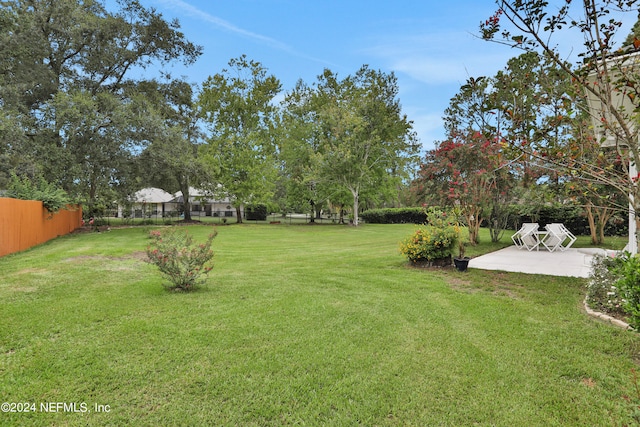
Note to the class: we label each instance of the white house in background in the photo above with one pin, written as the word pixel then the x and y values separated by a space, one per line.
pixel 205 205
pixel 155 202
pixel 149 202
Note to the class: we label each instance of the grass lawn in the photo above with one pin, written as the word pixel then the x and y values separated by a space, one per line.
pixel 312 325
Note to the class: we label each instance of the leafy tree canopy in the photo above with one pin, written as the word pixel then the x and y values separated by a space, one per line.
pixel 238 107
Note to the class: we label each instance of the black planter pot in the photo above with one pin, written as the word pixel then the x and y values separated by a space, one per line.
pixel 461 263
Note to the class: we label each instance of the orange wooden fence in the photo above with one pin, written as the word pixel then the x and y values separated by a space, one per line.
pixel 26 223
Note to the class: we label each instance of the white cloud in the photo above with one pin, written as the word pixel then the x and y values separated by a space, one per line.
pixel 428 126
pixel 441 58
pixel 429 70
pixel 186 8
pixel 191 10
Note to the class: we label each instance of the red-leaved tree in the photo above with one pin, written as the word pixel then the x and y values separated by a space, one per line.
pixel 468 170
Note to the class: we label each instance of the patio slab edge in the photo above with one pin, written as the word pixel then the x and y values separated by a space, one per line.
pixel 567 263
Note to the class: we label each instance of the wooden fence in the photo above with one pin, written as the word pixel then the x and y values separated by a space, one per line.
pixel 26 223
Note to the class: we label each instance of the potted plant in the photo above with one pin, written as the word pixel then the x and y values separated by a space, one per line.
pixel 461 262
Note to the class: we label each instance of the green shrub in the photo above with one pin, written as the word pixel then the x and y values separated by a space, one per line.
pixel 394 216
pixel 628 269
pixel 256 213
pixel 429 243
pixel 603 291
pixel 53 198
pixel 100 222
pixel 433 241
pixel 183 263
pixel 614 287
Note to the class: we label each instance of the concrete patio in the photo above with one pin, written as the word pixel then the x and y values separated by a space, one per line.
pixel 571 262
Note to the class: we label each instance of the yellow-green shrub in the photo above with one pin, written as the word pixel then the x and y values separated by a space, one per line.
pixel 435 240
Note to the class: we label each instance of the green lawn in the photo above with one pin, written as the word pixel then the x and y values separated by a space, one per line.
pixel 311 325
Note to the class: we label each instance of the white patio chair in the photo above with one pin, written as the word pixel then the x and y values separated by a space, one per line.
pixel 558 237
pixel 527 236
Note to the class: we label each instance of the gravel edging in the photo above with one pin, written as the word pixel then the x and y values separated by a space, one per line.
pixel 606 317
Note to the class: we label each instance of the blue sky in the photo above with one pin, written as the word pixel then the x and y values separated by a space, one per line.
pixel 431 46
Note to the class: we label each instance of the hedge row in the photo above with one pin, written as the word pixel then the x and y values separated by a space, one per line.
pixel 573 217
pixel 394 216
pixel 256 213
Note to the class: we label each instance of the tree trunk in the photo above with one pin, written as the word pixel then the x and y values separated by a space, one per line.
pixel 601 225
pixel 603 215
pixel 472 229
pixel 473 223
pixel 92 196
pixel 604 219
pixel 186 203
pixel 238 214
pixel 356 201
pixel 598 218
pixel 592 224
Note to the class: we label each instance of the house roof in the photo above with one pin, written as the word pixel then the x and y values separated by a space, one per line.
pixel 197 193
pixel 193 192
pixel 152 195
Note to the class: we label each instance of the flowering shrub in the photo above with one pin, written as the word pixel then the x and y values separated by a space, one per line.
pixel 614 287
pixel 183 263
pixel 628 269
pixel 603 292
pixel 437 239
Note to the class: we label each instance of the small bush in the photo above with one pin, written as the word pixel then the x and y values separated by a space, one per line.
pixel 433 241
pixel 628 269
pixel 179 260
pixel 614 287
pixel 429 243
pixel 603 291
pixel 256 213
pixel 100 222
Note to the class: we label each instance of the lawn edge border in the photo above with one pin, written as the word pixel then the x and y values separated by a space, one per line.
pixel 605 317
